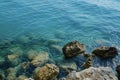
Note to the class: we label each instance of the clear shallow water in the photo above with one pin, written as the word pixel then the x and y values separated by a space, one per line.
pixel 92 22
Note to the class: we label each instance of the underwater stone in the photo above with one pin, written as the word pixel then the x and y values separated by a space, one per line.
pixel 66 67
pixel 89 62
pixel 21 77
pixel 47 72
pixel 73 48
pixel 31 54
pixel 105 52
pixel 40 59
pixel 11 74
pixel 101 73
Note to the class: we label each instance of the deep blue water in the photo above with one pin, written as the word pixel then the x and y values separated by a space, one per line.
pixel 92 22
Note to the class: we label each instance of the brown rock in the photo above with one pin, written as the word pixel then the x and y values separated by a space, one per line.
pixel 73 48
pixel 105 52
pixel 47 72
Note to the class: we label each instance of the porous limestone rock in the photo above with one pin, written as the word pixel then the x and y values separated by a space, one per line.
pixel 73 48
pixel 47 72
pixel 101 73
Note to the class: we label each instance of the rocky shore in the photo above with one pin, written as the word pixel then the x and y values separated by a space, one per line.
pixel 26 59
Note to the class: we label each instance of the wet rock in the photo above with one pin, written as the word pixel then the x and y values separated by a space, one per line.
pixel 66 67
pixel 25 65
pixel 118 71
pixel 11 74
pixel 47 72
pixel 32 54
pixel 89 62
pixel 13 59
pixel 101 73
pixel 21 77
pixel 105 52
pixel 40 59
pixel 73 48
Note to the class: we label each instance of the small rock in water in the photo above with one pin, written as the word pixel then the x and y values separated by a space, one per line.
pixel 11 74
pixel 101 73
pixel 73 48
pixel 40 59
pixel 22 77
pixel 47 72
pixel 105 52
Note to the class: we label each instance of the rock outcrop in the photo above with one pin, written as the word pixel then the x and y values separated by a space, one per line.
pixel 47 72
pixel 101 73
pixel 105 52
pixel 73 48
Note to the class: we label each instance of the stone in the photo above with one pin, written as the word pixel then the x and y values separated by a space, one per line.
pixel 25 65
pixel 31 54
pixel 40 59
pixel 12 57
pixel 11 74
pixel 47 72
pixel 105 52
pixel 92 73
pixel 21 77
pixel 89 62
pixel 73 48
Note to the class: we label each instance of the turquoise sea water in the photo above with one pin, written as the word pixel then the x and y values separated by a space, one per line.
pixel 92 22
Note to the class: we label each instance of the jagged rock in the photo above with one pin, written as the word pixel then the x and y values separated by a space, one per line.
pixel 12 57
pixel 73 48
pixel 11 74
pixel 40 59
pixel 47 72
pixel 105 52
pixel 101 73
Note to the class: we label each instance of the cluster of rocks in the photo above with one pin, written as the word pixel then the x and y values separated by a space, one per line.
pixel 38 65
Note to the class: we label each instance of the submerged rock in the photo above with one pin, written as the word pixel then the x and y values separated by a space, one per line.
pixel 101 73
pixel 105 52
pixel 22 77
pixel 73 48
pixel 66 67
pixel 89 62
pixel 47 72
pixel 40 59
pixel 11 74
pixel 31 54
